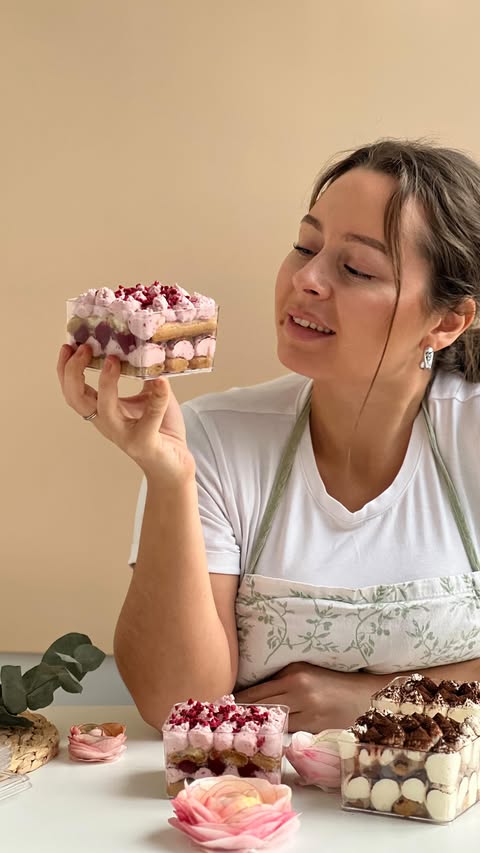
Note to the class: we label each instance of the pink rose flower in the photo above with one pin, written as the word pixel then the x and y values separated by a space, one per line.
pixel 316 758
pixel 97 742
pixel 230 813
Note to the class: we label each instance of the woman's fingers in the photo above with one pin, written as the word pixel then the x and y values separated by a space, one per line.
pixel 148 426
pixel 107 402
pixel 266 691
pixel 70 370
pixel 156 405
pixel 173 422
pixel 64 355
pixel 133 423
pixel 118 419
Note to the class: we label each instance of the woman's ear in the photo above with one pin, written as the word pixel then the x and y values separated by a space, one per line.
pixel 452 324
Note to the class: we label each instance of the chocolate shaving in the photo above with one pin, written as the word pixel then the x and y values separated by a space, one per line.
pixel 417 732
pixel 422 690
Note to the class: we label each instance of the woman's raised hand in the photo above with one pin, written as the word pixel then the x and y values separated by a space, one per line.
pixel 148 426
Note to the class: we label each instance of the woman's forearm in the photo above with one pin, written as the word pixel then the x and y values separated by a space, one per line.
pixel 468 670
pixel 321 698
pixel 169 642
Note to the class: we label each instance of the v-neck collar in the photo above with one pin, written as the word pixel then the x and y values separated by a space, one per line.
pixel 378 505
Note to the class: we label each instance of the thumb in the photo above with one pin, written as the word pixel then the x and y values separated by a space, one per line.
pixel 156 404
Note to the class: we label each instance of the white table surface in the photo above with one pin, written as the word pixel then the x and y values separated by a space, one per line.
pixel 111 808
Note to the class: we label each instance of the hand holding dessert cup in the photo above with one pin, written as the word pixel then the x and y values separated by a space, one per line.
pixel 147 426
pixel 149 333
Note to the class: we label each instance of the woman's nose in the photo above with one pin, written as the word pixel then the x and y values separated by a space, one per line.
pixel 313 278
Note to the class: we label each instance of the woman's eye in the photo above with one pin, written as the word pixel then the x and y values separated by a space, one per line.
pixel 303 250
pixel 357 274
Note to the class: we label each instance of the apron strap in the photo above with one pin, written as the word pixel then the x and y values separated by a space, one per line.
pixel 452 494
pixel 285 467
pixel 279 484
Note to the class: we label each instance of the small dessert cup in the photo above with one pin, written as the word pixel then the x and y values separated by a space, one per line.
pixel 420 785
pixel 216 745
pixel 145 352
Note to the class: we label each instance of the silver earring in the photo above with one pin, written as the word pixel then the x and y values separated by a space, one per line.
pixel 428 355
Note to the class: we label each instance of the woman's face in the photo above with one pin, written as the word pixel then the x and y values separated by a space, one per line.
pixel 340 279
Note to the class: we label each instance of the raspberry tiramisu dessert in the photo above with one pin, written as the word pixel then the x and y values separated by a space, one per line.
pixel 153 330
pixel 413 765
pixel 220 738
pixel 420 694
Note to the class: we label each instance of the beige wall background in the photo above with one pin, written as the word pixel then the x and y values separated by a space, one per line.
pixel 172 139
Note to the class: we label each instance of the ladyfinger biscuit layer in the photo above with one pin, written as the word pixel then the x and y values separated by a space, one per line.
pixel 171 331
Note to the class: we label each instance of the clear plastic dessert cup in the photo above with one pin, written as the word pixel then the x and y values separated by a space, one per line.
pixel 256 750
pixel 13 783
pixel 147 346
pixel 414 784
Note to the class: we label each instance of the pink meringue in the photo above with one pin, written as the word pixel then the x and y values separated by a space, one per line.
pixel 316 758
pixel 103 742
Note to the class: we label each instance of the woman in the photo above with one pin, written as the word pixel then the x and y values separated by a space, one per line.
pixel 323 492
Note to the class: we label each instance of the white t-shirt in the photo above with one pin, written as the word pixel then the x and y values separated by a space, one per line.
pixel 407 532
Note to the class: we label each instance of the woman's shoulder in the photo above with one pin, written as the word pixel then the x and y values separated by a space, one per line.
pixel 280 396
pixel 243 428
pixel 454 406
pixel 452 389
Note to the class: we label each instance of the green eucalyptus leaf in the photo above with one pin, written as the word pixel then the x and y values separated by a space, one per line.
pixel 56 658
pixel 69 682
pixel 64 664
pixel 28 678
pixel 67 644
pixel 89 657
pixel 43 696
pixel 45 682
pixel 14 695
pixel 37 675
pixel 7 719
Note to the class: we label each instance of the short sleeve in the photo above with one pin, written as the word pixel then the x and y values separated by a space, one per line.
pixel 223 551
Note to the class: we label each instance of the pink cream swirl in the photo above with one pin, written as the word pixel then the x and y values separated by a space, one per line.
pixel 144 323
pixel 160 304
pixel 85 303
pixel 204 346
pixel 180 349
pixel 185 311
pixel 146 355
pixel 205 306
pixel 104 297
pixel 123 308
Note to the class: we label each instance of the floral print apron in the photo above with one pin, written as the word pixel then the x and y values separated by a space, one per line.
pixel 382 629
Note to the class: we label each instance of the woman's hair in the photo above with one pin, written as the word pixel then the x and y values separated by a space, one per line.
pixel 446 184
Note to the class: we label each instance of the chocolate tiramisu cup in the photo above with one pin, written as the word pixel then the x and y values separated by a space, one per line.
pixel 411 765
pixel 420 694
